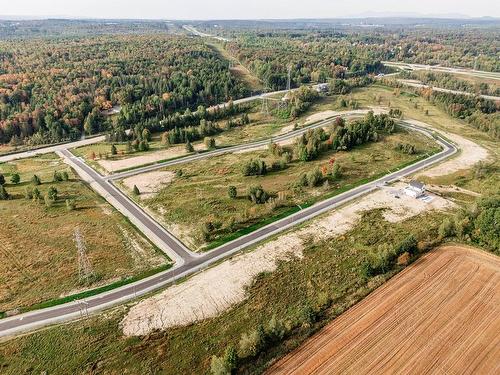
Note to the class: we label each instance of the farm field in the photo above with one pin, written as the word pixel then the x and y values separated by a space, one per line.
pixel 38 253
pixel 442 314
pixel 201 190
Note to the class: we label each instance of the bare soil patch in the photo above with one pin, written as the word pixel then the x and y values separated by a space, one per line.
pixel 152 157
pixel 470 154
pixel 440 315
pixel 149 183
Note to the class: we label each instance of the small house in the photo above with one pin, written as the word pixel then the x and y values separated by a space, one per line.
pixel 415 189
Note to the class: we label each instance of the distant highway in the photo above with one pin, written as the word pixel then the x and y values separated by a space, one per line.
pixel 419 85
pixel 190 263
pixel 438 68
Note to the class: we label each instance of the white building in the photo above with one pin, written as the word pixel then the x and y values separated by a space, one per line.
pixel 415 189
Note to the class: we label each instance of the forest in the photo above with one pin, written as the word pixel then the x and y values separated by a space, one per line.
pixel 52 90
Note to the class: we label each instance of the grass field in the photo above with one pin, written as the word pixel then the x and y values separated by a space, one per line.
pixel 303 294
pixel 424 320
pixel 201 192
pixel 38 254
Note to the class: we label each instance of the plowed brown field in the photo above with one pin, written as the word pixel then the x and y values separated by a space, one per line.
pixel 441 315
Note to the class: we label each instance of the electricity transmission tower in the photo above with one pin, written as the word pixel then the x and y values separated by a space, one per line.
pixel 85 271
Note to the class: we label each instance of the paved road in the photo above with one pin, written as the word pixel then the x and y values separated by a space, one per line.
pixel 419 85
pixel 192 264
pixel 49 149
pixel 247 146
pixel 438 68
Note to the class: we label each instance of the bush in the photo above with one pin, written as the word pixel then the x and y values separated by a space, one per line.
pixel 232 192
pixel 70 204
pixel 3 193
pixel 52 193
pixel 379 262
pixel 446 229
pixel 226 364
pixel 408 245
pixel 210 143
pixel 113 150
pixel 57 177
pixel 314 177
pixel 189 147
pixel 136 190
pixel 65 176
pixel 251 343
pixel 35 180
pixel 257 195
pixel 2 179
pixel 255 168
pixel 15 178
pixel 28 192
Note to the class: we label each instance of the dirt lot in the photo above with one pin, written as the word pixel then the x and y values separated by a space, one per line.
pixel 213 291
pixel 441 315
pixel 149 183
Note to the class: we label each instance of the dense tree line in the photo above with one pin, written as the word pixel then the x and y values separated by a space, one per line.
pixel 480 113
pixel 451 82
pixel 52 90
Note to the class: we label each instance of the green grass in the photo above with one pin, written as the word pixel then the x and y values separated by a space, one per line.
pixel 38 256
pixel 202 190
pixel 292 210
pixel 96 291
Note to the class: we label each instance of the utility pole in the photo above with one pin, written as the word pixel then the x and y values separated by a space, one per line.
pixel 85 271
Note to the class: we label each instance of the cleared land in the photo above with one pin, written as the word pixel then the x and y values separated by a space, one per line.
pixel 441 315
pixel 38 255
pixel 215 290
pixel 261 126
pixel 201 191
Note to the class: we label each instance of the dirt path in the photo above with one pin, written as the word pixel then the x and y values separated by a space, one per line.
pixel 441 315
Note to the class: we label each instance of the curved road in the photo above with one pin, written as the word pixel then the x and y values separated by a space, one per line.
pixel 193 263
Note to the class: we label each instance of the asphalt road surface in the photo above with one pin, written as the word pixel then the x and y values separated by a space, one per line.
pixel 192 264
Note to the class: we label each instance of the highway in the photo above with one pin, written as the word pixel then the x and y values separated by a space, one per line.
pixel 420 85
pixel 188 262
pixel 438 68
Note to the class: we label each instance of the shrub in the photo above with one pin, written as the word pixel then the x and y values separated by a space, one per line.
pixel 28 192
pixel 65 176
pixel 136 191
pixel 4 195
pixel 57 177
pixel 189 147
pixel 113 150
pixel 52 193
pixel 314 177
pixel 232 192
pixel 409 245
pixel 226 364
pixel 251 343
pixel 257 194
pixel 15 178
pixel 35 180
pixel 2 179
pixel 210 143
pixel 70 204
pixel 446 229
pixel 255 168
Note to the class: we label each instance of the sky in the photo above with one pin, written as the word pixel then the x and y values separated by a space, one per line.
pixel 247 9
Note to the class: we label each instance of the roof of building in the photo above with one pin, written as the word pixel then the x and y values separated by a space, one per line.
pixel 416 184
